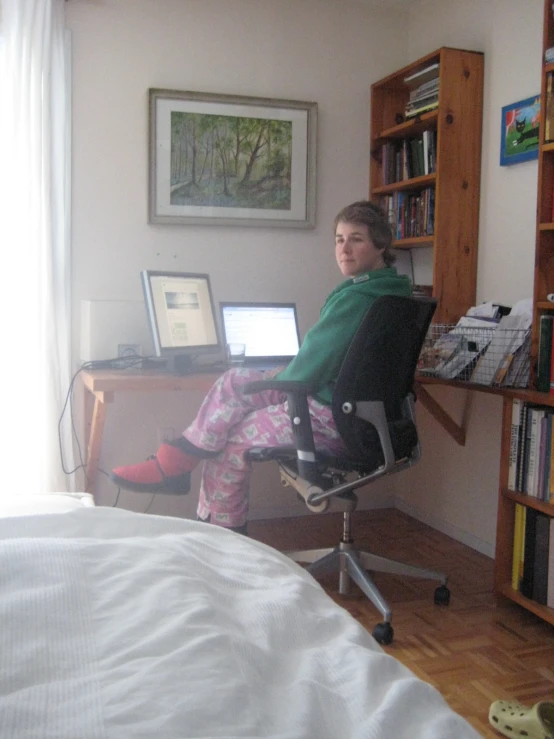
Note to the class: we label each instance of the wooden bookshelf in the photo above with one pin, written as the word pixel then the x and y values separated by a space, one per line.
pixel 455 181
pixel 543 285
pixel 505 523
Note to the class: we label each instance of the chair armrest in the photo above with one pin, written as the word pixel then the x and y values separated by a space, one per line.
pixel 299 414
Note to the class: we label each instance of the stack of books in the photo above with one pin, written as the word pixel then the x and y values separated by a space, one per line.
pixel 424 92
pixel 549 55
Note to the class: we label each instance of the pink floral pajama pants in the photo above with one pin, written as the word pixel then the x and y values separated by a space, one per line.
pixel 230 423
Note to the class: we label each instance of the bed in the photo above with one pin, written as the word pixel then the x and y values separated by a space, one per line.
pixel 120 625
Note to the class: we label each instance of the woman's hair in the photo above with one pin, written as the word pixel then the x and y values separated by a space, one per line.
pixel 365 213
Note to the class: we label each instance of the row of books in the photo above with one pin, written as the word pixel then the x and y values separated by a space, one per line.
pixel 409 158
pixel 410 214
pixel 424 93
pixel 531 466
pixel 533 555
pixel 545 363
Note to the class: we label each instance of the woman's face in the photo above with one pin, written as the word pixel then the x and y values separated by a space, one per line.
pixel 355 251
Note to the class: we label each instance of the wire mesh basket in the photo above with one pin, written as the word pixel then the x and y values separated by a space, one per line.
pixel 495 356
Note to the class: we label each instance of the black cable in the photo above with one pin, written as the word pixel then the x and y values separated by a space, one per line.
pixel 149 504
pixel 116 497
pixel 119 363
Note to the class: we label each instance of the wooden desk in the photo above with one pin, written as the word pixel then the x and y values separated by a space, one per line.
pixel 101 387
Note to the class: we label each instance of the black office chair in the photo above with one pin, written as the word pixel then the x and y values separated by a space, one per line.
pixel 373 408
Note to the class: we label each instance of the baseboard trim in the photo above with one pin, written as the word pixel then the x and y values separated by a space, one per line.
pixel 446 528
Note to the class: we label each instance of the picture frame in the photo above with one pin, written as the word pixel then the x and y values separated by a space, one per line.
pixel 519 132
pixel 231 160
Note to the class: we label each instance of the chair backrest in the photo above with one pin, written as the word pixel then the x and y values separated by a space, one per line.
pixel 380 364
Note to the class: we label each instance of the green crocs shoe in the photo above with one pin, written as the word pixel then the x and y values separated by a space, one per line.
pixel 516 720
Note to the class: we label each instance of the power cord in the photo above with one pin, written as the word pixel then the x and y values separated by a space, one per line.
pixel 114 505
pixel 149 504
pixel 119 363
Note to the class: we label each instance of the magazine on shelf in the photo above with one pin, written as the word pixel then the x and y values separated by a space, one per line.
pixel 507 339
pixel 487 347
pixel 473 336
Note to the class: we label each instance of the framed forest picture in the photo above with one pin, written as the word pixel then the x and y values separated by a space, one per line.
pixel 519 136
pixel 231 160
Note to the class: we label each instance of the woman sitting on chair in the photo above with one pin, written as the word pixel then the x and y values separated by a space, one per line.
pixel 230 422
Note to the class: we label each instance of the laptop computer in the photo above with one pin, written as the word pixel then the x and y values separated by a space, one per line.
pixel 269 332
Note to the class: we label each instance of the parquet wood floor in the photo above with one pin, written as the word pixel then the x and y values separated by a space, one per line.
pixel 475 650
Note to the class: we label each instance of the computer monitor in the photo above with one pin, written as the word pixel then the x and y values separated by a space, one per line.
pixel 181 316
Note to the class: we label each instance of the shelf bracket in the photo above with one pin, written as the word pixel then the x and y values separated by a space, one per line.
pixel 458 433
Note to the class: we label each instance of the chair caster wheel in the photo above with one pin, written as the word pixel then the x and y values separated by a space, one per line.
pixel 383 633
pixel 442 596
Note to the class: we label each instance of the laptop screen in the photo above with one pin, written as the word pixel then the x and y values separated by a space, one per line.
pixel 268 330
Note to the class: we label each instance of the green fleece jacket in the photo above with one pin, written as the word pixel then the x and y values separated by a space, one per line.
pixel 325 345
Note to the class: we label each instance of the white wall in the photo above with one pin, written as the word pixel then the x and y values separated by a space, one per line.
pixel 317 50
pixel 456 488
pixel 329 51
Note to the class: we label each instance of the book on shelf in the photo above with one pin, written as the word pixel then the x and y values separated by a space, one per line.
pixel 541 474
pixel 531 451
pixel 548 492
pixel 526 586
pixel 544 363
pixel 533 555
pixel 419 110
pixel 540 562
pixel 549 109
pixel 517 412
pixel 550 587
pixel 410 214
pixel 412 157
pixel 517 553
pixel 531 484
pixel 431 71
pixel 527 455
pixel 522 451
pixel 421 101
pixel 426 88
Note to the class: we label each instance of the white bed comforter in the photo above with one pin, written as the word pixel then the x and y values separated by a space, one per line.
pixel 120 625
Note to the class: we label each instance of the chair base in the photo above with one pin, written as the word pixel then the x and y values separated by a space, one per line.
pixel 352 564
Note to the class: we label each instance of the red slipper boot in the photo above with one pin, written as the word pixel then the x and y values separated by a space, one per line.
pixel 168 471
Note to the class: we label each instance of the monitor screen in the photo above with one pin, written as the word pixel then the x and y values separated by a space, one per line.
pixel 181 316
pixel 268 330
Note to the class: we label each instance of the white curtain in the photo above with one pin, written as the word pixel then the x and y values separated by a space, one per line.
pixel 34 245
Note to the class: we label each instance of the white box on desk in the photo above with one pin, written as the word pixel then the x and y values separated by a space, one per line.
pixel 105 324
